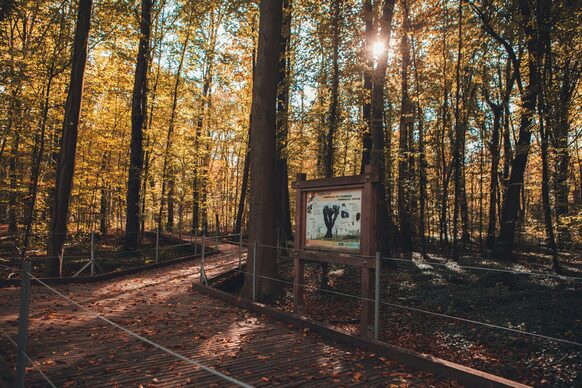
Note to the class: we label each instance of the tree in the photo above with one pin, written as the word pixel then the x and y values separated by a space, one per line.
pixel 384 223
pixel 262 217
pixel 138 116
pixel 406 128
pixel 66 161
pixel 529 96
pixel 283 86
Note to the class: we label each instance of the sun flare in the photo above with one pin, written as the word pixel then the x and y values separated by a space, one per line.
pixel 378 48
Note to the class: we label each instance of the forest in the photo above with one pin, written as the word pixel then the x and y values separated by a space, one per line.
pixel 127 116
pixel 139 131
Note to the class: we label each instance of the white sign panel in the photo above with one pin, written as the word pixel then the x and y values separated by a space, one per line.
pixel 333 220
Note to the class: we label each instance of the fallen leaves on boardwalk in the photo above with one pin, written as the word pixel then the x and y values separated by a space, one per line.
pixel 75 349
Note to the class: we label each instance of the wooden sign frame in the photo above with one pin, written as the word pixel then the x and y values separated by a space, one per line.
pixel 367 183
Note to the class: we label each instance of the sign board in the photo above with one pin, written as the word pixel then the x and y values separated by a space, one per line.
pixel 333 219
pixel 335 223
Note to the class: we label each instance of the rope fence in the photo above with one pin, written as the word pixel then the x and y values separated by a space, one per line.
pixel 204 242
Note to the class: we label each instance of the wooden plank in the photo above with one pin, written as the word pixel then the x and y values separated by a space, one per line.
pixel 334 258
pixel 335 181
pixel 470 376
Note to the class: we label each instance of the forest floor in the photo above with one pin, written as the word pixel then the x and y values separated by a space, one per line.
pixel 109 254
pixel 74 349
pixel 544 305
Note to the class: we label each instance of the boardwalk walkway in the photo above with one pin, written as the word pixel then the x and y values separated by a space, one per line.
pixel 75 349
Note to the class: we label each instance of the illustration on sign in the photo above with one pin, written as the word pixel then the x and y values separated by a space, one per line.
pixel 333 220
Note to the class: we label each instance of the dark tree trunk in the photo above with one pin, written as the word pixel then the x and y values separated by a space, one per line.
pixel 512 198
pixel 284 213
pixel 13 176
pixel 334 103
pixel 36 162
pixel 368 13
pixel 246 168
pixel 457 151
pixel 200 166
pixel 167 168
pixel 138 116
pixel 66 162
pixel 384 224
pixel 406 128
pixel 263 208
pixel 103 211
pixel 494 151
pixel 243 192
pixel 421 158
pixel 543 26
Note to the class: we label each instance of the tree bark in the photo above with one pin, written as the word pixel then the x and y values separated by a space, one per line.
pixel 406 128
pixel 66 162
pixel 263 208
pixel 457 151
pixel 167 168
pixel 384 223
pixel 367 13
pixel 496 109
pixel 284 213
pixel 512 197
pixel 138 116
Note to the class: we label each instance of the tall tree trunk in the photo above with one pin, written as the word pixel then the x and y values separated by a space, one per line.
pixel 443 225
pixel 13 176
pixel 512 197
pixel 384 223
pixel 284 213
pixel 494 151
pixel 138 116
pixel 560 128
pixel 543 26
pixel 263 209
pixel 406 128
pixel 246 167
pixel 167 167
pixel 368 16
pixel 334 90
pixel 201 165
pixel 66 162
pixel 333 124
pixel 457 153
pixel 36 162
pixel 421 157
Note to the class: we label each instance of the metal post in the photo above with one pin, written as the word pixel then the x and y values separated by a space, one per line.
pixel 196 241
pixel 92 253
pixel 158 242
pixel 23 324
pixel 377 298
pixel 255 271
pixel 240 251
pixel 202 274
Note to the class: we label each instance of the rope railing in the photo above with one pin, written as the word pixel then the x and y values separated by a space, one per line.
pixel 490 325
pixel 49 382
pixel 143 339
pixel 416 262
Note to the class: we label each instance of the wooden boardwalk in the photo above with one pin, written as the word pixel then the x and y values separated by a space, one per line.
pixel 75 349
